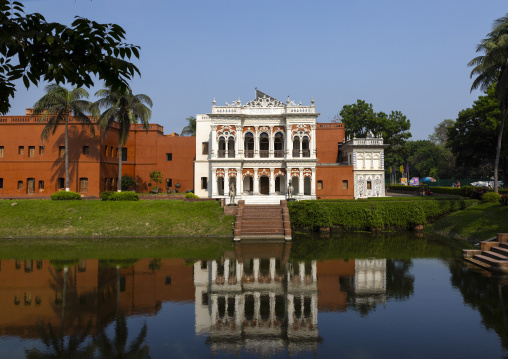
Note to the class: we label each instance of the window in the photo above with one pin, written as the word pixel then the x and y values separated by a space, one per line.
pixel 369 185
pixel 41 150
pixel 204 181
pixel 204 147
pixel 83 184
pixel 61 151
pixel 1 151
pixel 61 183
pixel 105 184
pixel 41 185
pixel 105 150
pixel 169 182
pixel 20 184
pixel 21 150
pixel 1 183
pixel 344 184
pixel 169 157
pixel 111 151
pixel 124 154
pixel 319 184
pixel 86 150
pixel 112 184
pixel 31 151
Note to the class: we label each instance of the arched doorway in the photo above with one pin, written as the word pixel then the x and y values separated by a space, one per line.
pixel 306 186
pixel 264 185
pixel 220 186
pixel 280 184
pixel 248 185
pixel 296 185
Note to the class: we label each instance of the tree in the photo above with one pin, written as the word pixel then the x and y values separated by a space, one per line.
pixel 440 135
pixel 492 69
pixel 55 108
pixel 473 134
pixel 124 109
pixel 156 177
pixel 360 118
pixel 190 129
pixel 33 49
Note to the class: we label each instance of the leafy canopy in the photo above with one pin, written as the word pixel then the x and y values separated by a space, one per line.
pixel 33 49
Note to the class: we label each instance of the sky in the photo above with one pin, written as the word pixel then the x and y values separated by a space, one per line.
pixel 408 56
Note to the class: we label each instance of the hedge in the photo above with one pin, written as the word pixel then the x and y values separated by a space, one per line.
pixel 365 216
pixel 65 196
pixel 466 191
pixel 119 196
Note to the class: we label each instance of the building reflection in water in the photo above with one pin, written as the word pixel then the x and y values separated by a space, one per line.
pixel 254 298
pixel 258 300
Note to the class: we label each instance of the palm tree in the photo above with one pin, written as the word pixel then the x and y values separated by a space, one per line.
pixel 56 107
pixel 122 108
pixel 190 129
pixel 492 69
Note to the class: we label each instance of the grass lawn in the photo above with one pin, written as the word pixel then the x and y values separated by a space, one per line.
pixel 100 219
pixel 475 223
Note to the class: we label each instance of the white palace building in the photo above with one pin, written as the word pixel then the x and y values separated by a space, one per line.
pixel 261 146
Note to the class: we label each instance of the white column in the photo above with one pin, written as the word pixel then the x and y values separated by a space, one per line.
pixel 302 272
pixel 256 142
pixel 257 307
pixel 291 310
pixel 238 183
pixel 255 264
pixel 255 181
pixel 272 307
pixel 238 310
pixel 272 268
pixel 314 309
pixel 270 143
pixel 239 271
pixel 213 145
pixel 226 272
pixel 214 309
pixel 214 271
pixel 214 182
pixel 313 141
pixel 314 272
pixel 272 182
pixel 301 180
pixel 313 183
pixel 289 143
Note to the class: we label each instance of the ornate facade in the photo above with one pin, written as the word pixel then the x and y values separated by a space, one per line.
pixel 259 147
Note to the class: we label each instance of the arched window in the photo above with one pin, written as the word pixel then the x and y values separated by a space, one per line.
pixel 296 147
pixel 220 186
pixel 264 145
pixel 249 145
pixel 280 185
pixel 278 145
pixel 231 147
pixel 306 186
pixel 222 147
pixel 305 147
pixel 248 185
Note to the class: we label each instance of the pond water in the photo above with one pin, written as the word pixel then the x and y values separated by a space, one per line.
pixel 348 296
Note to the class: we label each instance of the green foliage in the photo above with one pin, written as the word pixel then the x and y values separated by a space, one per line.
pixel 191 195
pixel 33 49
pixel 491 197
pixel 156 177
pixel 360 118
pixel 190 129
pixel 369 215
pixel 65 195
pixel 504 200
pixel 124 196
pixel 127 182
pixel 106 195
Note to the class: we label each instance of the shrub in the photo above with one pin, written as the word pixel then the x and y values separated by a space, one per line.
pixel 491 197
pixel 124 196
pixel 504 200
pixel 127 181
pixel 105 196
pixel 191 195
pixel 65 196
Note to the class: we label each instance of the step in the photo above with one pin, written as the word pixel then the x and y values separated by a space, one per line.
pixel 478 263
pixel 500 250
pixel 262 230
pixel 503 245
pixel 495 255
pixel 485 259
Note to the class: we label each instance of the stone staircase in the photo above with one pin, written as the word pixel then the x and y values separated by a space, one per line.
pixel 492 256
pixel 262 221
